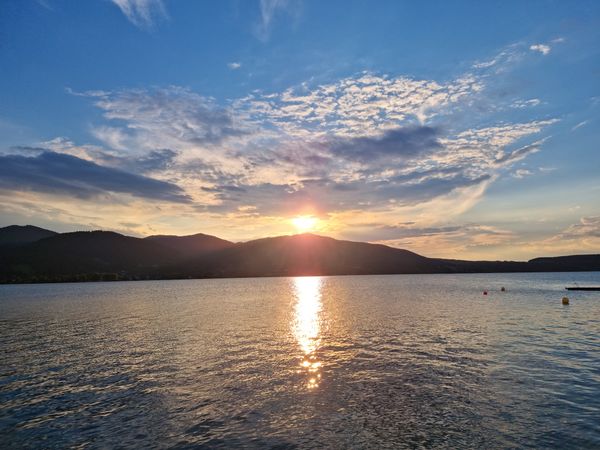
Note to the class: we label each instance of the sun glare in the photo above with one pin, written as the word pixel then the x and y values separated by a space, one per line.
pixel 305 223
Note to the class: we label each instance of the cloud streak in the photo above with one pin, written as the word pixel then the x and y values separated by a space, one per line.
pixel 322 196
pixel 268 10
pixel 587 227
pixel 142 13
pixel 580 124
pixel 164 118
pixel 67 175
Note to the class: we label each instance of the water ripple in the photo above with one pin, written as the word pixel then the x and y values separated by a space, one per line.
pixel 334 362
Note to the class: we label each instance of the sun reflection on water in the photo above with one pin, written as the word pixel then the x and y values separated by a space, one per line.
pixel 307 325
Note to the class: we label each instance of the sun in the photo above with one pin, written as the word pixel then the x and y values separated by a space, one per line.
pixel 305 223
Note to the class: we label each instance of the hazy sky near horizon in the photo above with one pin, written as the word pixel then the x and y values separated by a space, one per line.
pixel 453 129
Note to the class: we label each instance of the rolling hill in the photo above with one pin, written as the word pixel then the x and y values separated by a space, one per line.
pixel 83 252
pixel 32 254
pixel 306 254
pixel 191 246
pixel 15 235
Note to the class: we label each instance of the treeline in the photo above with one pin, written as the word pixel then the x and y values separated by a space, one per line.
pixel 74 278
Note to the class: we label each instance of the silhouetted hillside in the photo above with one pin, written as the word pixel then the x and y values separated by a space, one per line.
pixel 84 252
pixel 461 266
pixel 566 263
pixel 14 235
pixel 101 255
pixel 193 245
pixel 307 254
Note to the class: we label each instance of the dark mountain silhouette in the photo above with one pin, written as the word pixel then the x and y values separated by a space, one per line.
pixel 568 263
pixel 102 255
pixel 14 235
pixel 306 254
pixel 193 245
pixel 84 252
pixel 309 254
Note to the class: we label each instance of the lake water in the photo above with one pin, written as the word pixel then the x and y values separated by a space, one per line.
pixel 402 361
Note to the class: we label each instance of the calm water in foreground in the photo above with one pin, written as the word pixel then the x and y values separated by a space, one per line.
pixel 400 361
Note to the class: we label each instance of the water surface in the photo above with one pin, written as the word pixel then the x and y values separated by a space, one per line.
pixel 402 361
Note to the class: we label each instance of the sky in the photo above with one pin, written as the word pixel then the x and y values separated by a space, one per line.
pixel 452 129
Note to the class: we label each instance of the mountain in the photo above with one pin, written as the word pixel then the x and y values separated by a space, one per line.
pixel 309 254
pixel 103 255
pixel 193 245
pixel 84 252
pixel 15 235
pixel 306 254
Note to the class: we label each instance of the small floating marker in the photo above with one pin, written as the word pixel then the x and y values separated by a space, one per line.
pixel 484 292
pixel 502 289
pixel 565 300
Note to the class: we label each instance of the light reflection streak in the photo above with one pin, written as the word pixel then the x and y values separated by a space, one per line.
pixel 307 325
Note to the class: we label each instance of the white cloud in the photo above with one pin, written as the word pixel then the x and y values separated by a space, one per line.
pixel 522 173
pixel 579 238
pixel 588 227
pixel 234 65
pixel 506 58
pixel 268 10
pixel 485 64
pixel 379 143
pixel 45 4
pixel 164 118
pixel 453 239
pixel 580 124
pixel 354 106
pixel 142 13
pixel 487 147
pixel 520 104
pixel 544 49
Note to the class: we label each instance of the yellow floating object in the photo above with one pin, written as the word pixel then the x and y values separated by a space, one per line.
pixel 565 300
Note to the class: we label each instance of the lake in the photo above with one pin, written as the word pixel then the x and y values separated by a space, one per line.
pixel 398 361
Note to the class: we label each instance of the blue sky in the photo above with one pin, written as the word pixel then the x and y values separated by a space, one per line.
pixel 458 129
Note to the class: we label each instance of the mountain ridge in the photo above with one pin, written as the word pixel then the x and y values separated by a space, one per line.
pixel 107 255
pixel 22 234
pixel 192 244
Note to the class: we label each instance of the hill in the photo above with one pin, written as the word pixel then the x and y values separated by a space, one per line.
pixel 76 255
pixel 15 235
pixel 572 263
pixel 306 254
pixel 192 245
pixel 102 255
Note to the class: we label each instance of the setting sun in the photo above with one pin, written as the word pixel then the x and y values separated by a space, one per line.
pixel 305 223
pixel 300 224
